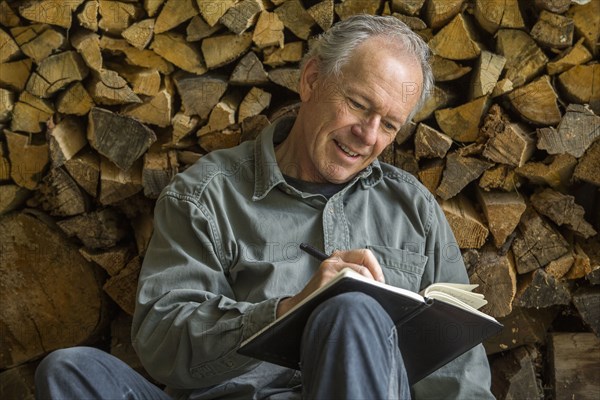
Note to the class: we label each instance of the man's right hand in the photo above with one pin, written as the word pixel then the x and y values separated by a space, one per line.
pixel 360 260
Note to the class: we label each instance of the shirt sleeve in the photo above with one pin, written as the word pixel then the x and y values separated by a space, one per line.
pixel 187 323
pixel 468 376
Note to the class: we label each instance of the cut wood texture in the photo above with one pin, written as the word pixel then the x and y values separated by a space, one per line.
pixel 102 102
pixel 35 282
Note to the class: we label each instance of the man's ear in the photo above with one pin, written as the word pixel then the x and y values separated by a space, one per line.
pixel 308 79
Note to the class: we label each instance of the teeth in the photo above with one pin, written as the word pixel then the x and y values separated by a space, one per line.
pixel 347 150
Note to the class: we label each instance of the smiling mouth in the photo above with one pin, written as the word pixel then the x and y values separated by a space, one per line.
pixel 346 150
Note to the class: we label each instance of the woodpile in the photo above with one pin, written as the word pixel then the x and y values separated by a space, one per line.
pixel 103 101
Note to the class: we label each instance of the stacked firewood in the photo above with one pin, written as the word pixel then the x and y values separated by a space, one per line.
pixel 103 101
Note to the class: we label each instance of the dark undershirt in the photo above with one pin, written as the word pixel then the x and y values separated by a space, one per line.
pixel 325 189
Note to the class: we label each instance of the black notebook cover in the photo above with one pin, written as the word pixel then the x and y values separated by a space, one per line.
pixel 431 333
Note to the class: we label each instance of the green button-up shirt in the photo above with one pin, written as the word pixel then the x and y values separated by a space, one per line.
pixel 225 251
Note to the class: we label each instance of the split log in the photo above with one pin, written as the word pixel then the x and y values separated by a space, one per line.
pixel 38 41
pixel 7 103
pixel 349 8
pixel 49 11
pixel 173 13
pixel 286 77
pixel 29 113
pixel 440 97
pixel 581 264
pixel 574 360
pixel 537 243
pixel 116 16
pixel 14 75
pixel 253 103
pixel 105 134
pixel 459 172
pixel 576 55
pixel 137 57
pixel 140 34
pixel 322 13
pixel 562 210
pixel 430 174
pixel 221 50
pixel 249 71
pixel 502 87
pixel 253 126
pixel 18 382
pixel 174 48
pixel 268 31
pixel 117 184
pixel 143 228
pixel 122 287
pixel 8 17
pixel 198 29
pixel 577 130
pixel 508 143
pixel 212 11
pixel 242 16
pixel 558 268
pixel 554 171
pixel 589 165
pixel 65 139
pixel 522 326
pixel 414 23
pixel 109 88
pixel 466 223
pixel 430 143
pixel 295 17
pixel 553 30
pixel 199 94
pixel 290 53
pixel 88 16
pixel 524 58
pixel 407 7
pixel 59 195
pixel 56 72
pixel 587 302
pixel 515 376
pixel 112 260
pixel 502 211
pixel 404 159
pixel 121 347
pixel 537 102
pixel 439 12
pixel 447 70
pixel 12 197
pixel 579 85
pixel 493 15
pixel 183 125
pixel 27 160
pixel 156 110
pixel 143 81
pixel 487 71
pixel 555 6
pixel 101 229
pixel 462 123
pixel 456 41
pixel 540 290
pixel 87 45
pixel 74 100
pixel 585 26
pixel 85 169
pixel 220 140
pixel 32 324
pixel 159 169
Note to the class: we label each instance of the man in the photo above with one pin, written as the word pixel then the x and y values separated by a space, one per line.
pixel 224 261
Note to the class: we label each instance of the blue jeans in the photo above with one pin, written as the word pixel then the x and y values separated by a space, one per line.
pixel 349 351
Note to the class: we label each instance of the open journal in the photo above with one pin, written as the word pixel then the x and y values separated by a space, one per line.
pixel 434 327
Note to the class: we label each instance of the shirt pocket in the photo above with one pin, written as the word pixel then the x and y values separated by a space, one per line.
pixel 401 268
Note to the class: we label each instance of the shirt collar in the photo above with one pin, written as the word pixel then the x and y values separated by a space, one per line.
pixel 267 172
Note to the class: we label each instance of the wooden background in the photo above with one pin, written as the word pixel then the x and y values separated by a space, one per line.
pixel 102 102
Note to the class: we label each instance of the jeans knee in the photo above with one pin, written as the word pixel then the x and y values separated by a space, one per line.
pixel 64 359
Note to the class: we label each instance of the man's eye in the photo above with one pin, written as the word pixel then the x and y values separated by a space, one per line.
pixel 356 104
pixel 389 127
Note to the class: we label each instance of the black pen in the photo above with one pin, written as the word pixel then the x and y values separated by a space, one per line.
pixel 316 253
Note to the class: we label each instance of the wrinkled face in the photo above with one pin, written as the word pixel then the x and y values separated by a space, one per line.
pixel 347 123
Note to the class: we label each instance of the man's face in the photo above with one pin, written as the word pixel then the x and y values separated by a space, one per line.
pixel 348 122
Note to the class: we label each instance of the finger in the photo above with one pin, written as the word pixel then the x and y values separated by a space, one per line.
pixel 364 258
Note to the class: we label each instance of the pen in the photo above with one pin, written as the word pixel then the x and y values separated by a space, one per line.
pixel 316 253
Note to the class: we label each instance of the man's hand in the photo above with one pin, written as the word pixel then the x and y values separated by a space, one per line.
pixel 361 260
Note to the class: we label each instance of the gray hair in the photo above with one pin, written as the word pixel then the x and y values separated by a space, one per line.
pixel 335 47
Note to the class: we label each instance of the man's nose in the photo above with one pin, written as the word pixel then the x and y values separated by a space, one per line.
pixel 367 129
